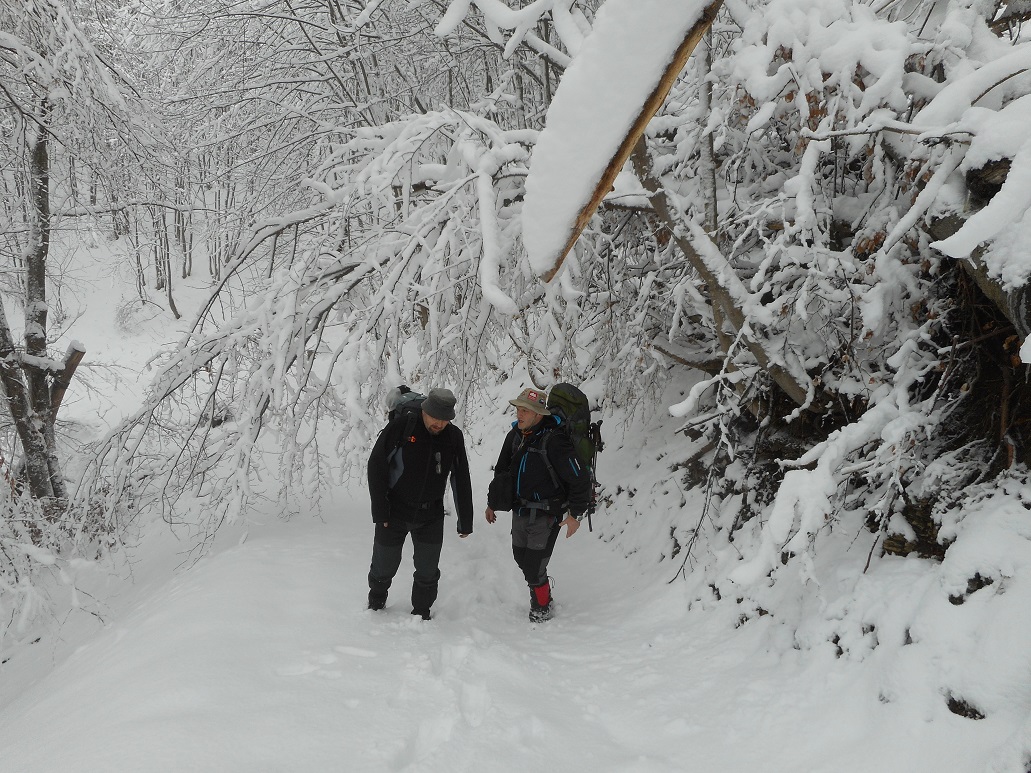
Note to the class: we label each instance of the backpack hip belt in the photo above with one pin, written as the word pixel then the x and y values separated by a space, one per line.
pixel 548 506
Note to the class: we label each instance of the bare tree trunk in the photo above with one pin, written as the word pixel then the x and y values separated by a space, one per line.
pixel 708 154
pixel 27 423
pixel 520 95
pixel 162 253
pixel 546 63
pixel 707 169
pixel 37 389
pixel 73 180
pixel 183 219
pixel 133 234
pixel 166 256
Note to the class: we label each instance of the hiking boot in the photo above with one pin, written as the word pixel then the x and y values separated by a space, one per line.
pixel 423 613
pixel 539 614
pixel 540 602
pixel 377 601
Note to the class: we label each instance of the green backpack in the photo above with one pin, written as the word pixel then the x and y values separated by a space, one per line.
pixel 574 409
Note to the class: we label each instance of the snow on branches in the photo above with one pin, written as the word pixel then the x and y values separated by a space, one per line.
pixel 824 184
pixel 776 240
pixel 570 24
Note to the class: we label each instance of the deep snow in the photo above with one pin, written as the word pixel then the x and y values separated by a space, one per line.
pixel 262 658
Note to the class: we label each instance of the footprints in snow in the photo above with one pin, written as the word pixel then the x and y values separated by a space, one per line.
pixel 318 663
pixel 445 677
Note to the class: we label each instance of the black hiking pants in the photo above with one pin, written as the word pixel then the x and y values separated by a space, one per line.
pixel 427 539
pixel 533 542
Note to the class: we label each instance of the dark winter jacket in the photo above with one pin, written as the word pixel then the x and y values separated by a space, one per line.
pixel 534 486
pixel 422 468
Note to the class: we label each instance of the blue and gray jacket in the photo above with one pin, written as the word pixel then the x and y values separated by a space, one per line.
pixel 546 474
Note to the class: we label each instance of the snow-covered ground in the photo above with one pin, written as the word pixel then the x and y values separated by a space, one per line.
pixel 262 658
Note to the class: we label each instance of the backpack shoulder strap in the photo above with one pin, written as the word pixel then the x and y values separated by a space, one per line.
pixel 543 451
pixel 400 436
pixel 409 427
pixel 517 441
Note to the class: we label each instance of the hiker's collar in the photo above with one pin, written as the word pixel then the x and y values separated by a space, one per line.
pixel 546 422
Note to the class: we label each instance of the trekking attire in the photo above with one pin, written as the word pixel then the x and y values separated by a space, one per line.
pixel 409 468
pixel 539 478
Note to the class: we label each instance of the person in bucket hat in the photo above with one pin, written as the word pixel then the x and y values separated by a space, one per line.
pixel 533 399
pixel 539 478
pixel 409 468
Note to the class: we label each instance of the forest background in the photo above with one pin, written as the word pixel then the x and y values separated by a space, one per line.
pixel 809 228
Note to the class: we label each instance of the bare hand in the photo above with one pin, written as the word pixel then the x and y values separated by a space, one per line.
pixel 491 517
pixel 571 525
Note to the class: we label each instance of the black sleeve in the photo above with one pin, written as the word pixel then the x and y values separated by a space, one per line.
pixel 502 467
pixel 461 482
pixel 378 472
pixel 576 478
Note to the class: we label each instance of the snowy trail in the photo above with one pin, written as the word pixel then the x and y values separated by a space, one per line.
pixel 263 658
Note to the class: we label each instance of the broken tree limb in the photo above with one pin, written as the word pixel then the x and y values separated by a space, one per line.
pixel 27 424
pixel 63 379
pixel 648 109
pixel 709 367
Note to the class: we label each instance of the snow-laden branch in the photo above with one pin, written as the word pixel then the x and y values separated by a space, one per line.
pixel 570 25
pixel 893 425
pixel 612 97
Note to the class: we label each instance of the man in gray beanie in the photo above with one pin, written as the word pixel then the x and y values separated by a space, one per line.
pixel 414 457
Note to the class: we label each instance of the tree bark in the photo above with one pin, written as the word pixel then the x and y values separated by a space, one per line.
pixel 63 380
pixel 707 168
pixel 36 388
pixel 28 424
